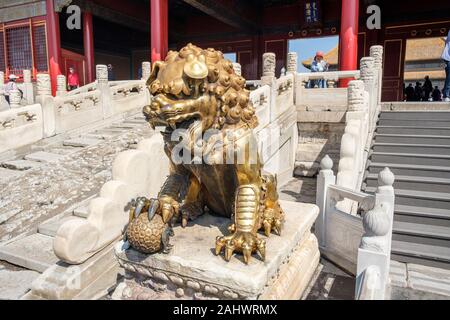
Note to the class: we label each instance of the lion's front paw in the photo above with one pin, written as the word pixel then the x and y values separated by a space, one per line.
pixel 240 241
pixel 168 208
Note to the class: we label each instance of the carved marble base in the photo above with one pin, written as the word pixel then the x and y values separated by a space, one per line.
pixel 192 271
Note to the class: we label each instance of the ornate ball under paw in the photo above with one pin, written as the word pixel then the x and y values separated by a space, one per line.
pixel 144 235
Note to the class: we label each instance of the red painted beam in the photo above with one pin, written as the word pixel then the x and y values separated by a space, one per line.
pixel 54 43
pixel 348 41
pixel 88 41
pixel 159 24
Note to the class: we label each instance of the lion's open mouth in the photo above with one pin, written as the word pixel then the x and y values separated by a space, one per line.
pixel 183 121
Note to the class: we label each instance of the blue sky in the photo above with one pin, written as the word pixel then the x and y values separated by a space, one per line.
pixel 307 48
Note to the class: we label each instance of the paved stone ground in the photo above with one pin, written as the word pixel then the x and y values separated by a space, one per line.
pixel 329 281
pixel 30 197
pixel 300 189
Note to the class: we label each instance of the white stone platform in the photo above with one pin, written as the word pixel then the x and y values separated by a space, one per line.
pixel 192 271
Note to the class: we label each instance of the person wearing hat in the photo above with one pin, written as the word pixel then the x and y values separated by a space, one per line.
pixel 319 65
pixel 10 86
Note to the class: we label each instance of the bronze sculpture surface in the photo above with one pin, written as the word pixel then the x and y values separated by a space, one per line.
pixel 197 92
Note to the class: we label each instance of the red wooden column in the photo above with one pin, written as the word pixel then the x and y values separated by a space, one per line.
pixel 54 43
pixel 159 24
pixel 88 42
pixel 348 41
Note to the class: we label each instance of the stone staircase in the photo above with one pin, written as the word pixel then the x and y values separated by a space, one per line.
pixel 415 145
pixel 33 249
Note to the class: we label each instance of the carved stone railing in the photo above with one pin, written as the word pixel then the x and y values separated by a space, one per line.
pixel 85 106
pixel 364 105
pixel 331 78
pixel 86 88
pixel 74 111
pixel 20 126
pixel 329 98
pixel 356 242
pixel 127 88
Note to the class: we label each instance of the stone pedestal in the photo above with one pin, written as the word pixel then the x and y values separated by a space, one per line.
pixel 192 271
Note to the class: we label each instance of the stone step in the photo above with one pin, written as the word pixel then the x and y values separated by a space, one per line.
pixel 34 252
pixel 14 284
pixel 124 125
pixel 424 254
pixel 413 123
pixel 6 174
pixel 415 115
pixel 111 130
pixel 81 142
pixel 81 212
pixel 409 139
pixel 411 148
pixel 50 228
pixel 425 199
pixel 140 121
pixel 42 156
pixel 429 279
pixel 445 131
pixel 410 170
pixel 422 215
pixel 411 158
pixel 20 165
pixel 414 183
pixel 421 233
pixel 100 135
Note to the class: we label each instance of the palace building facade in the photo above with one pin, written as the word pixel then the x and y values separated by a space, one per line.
pixel 35 34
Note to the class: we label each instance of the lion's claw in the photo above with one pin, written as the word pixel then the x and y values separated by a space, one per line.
pixel 190 211
pixel 272 222
pixel 246 243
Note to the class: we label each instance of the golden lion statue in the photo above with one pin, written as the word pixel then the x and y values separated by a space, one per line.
pixel 196 91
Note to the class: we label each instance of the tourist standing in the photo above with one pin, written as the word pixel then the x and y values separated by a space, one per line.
pixel 410 93
pixel 427 88
pixel 446 58
pixel 111 75
pixel 10 86
pixel 73 80
pixel 418 92
pixel 319 65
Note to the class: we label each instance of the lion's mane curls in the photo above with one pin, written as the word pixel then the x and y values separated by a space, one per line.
pixel 222 82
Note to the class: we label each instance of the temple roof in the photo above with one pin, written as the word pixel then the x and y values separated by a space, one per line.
pixel 425 49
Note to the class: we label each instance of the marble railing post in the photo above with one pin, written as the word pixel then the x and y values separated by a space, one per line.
pixel 44 87
pixel 14 99
pixel 27 76
pixel 325 178
pixel 61 88
pixel 27 87
pixel 237 68
pixel 376 52
pixel 292 60
pixel 368 76
pixel 102 85
pixel 2 89
pixel 47 101
pixel 146 70
pixel 375 248
pixel 269 63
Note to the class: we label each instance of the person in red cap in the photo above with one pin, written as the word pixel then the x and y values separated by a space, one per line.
pixel 319 65
pixel 73 80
